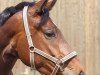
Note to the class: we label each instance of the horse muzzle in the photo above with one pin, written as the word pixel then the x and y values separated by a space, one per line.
pixel 69 72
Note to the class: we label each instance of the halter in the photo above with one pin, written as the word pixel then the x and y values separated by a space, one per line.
pixel 58 62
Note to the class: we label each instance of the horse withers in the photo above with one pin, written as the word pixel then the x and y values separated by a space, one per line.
pixel 30 35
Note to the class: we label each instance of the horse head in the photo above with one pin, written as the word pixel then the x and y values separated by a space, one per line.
pixel 49 52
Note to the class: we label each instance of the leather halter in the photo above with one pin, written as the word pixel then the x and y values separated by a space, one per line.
pixel 33 49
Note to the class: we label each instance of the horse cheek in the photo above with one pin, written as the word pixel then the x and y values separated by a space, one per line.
pixel 23 50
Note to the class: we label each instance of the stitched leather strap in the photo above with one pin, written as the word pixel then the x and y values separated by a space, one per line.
pixel 28 35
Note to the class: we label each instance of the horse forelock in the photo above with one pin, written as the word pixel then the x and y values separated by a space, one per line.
pixel 45 17
pixel 10 11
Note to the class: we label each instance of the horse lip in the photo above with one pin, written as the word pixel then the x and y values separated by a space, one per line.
pixel 81 73
pixel 67 72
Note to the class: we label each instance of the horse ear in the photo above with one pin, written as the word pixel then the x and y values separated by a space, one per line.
pixel 39 5
pixel 47 3
pixel 50 4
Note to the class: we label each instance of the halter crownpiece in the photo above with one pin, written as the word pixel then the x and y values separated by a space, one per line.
pixel 33 49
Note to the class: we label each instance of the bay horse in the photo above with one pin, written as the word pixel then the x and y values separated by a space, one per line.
pixel 28 33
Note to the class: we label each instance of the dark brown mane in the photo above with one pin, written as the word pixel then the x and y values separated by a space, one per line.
pixel 10 11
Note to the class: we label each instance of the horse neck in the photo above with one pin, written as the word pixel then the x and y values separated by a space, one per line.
pixel 7 55
pixel 4 38
pixel 6 65
pixel 7 31
pixel 7 52
pixel 7 58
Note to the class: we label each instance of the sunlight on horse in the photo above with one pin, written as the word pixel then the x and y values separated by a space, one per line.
pixel 51 53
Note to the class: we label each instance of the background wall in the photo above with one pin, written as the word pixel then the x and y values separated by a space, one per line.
pixel 79 22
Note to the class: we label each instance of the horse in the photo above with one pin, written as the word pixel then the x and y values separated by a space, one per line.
pixel 29 34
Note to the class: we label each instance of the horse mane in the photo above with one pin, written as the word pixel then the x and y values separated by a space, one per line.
pixel 10 11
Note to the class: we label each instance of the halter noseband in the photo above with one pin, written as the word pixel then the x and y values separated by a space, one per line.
pixel 33 49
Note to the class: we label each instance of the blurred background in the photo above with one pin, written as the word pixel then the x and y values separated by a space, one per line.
pixel 79 21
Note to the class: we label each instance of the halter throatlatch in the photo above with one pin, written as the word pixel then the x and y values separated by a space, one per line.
pixel 58 62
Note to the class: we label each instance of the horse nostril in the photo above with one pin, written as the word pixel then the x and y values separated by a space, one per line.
pixel 81 73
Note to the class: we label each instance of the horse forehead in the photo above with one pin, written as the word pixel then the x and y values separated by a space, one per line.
pixel 47 23
pixel 50 24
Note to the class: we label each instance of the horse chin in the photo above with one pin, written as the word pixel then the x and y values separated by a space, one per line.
pixel 67 72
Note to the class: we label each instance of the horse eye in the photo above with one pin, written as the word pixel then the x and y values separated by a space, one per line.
pixel 50 34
